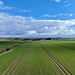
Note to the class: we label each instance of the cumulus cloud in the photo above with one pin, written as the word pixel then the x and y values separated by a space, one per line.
pixel 28 26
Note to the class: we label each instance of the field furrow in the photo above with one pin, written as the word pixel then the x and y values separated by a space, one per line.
pixel 6 60
pixel 18 59
pixel 65 56
pixel 60 66
pixel 36 62
pixel 54 57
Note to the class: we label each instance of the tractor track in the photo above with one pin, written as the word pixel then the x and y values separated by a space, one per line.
pixel 58 64
pixel 15 62
pixel 12 47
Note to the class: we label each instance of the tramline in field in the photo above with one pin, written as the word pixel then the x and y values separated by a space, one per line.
pixel 55 57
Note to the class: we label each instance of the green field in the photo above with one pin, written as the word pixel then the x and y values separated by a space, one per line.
pixel 7 44
pixel 55 57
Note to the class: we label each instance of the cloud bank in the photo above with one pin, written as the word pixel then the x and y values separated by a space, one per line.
pixel 28 26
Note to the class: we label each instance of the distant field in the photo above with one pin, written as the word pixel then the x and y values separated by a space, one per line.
pixel 6 44
pixel 55 57
pixel 2 48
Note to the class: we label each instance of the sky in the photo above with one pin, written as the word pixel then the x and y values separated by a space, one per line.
pixel 37 18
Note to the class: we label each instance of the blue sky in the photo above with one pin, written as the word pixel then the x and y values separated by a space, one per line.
pixel 37 18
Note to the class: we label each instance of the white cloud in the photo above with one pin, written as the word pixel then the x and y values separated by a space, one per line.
pixel 28 26
pixel 71 14
pixel 67 32
pixel 67 5
pixel 4 7
pixel 57 0
pixel 1 3
pixel 46 15
pixel 31 32
pixel 66 1
pixel 45 27
pixel 20 10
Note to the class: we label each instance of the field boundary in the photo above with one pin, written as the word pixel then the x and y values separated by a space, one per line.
pixel 58 64
pixel 15 62
pixel 5 50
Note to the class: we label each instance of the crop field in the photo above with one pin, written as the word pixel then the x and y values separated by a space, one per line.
pixel 45 57
pixel 7 44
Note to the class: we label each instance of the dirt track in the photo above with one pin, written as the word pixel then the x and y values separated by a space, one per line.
pixel 11 48
pixel 15 62
pixel 58 64
pixel 18 60
pixel 6 52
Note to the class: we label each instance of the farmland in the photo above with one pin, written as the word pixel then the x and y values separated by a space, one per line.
pixel 6 44
pixel 54 57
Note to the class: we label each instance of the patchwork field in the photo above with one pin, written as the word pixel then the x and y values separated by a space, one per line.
pixel 55 57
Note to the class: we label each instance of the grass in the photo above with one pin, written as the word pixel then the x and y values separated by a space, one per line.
pixel 64 51
pixel 2 48
pixel 7 59
pixel 7 44
pixel 36 62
